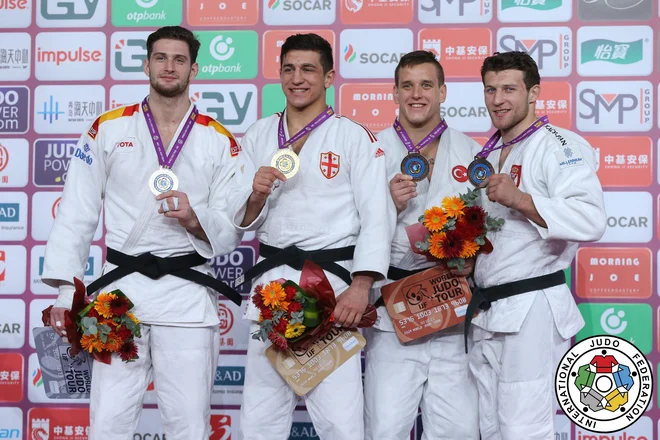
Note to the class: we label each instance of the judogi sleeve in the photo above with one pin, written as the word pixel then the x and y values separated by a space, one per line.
pixel 242 187
pixel 214 217
pixel 375 206
pixel 574 209
pixel 78 214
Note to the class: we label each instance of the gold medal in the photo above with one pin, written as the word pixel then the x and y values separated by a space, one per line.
pixel 286 162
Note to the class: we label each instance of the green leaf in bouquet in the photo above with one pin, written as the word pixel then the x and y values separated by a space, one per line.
pixel 278 314
pixel 450 225
pixel 104 329
pixel 494 224
pixel 421 219
pixel 297 317
pixel 480 240
pixel 83 313
pixel 469 197
pixel 458 263
pixel 91 330
pixel 422 245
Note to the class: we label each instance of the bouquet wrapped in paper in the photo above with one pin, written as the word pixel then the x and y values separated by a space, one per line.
pixel 454 231
pixel 296 315
pixel 102 326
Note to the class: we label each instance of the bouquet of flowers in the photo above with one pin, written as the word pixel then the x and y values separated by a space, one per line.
pixel 455 231
pixel 102 326
pixel 297 315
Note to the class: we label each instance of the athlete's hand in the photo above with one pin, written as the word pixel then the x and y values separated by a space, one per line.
pixel 402 189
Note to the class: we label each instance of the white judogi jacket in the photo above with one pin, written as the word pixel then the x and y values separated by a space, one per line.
pixel 118 159
pixel 454 154
pixel 558 169
pixel 323 206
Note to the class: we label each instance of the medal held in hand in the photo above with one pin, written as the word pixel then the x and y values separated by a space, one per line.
pixel 164 179
pixel 286 161
pixel 480 169
pixel 415 164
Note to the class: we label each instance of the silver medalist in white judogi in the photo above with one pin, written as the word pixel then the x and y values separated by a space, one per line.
pixel 111 168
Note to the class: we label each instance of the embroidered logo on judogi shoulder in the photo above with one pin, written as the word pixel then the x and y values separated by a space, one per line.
pixel 329 164
pixel 516 171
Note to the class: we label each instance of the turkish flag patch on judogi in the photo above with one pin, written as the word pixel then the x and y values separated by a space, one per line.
pixel 329 164
pixel 516 171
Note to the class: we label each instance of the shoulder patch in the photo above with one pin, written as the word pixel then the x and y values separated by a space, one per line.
pixel 372 137
pixel 569 157
pixel 112 114
pixel 208 121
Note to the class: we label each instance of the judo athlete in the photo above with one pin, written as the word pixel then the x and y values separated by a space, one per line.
pixel 546 189
pixel 433 370
pixel 121 164
pixel 333 208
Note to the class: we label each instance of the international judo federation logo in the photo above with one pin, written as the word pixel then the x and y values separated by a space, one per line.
pixel 604 384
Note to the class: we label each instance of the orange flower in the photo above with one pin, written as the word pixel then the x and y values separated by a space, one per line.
pixel 453 206
pixel 273 294
pixel 91 343
pixel 114 342
pixel 103 306
pixel 434 219
pixel 470 249
pixel 132 317
pixel 284 305
pixel 435 247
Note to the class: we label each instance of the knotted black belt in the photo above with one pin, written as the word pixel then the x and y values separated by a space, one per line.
pixel 295 257
pixel 395 274
pixel 483 298
pixel 155 267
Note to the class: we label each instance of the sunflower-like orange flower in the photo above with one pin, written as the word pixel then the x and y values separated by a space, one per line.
pixel 470 249
pixel 91 343
pixel 434 219
pixel 104 304
pixel 453 206
pixel 113 343
pixel 273 294
pixel 435 245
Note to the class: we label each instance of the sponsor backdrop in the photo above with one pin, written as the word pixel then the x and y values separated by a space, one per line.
pixel 63 62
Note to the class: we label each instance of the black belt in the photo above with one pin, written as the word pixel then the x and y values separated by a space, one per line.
pixel 155 267
pixel 394 273
pixel 483 298
pixel 295 257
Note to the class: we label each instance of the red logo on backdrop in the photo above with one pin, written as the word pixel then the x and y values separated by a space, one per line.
pixel 3 265
pixel 55 207
pixel 459 173
pixel 58 423
pixel 220 427
pixel 516 171
pixel 4 157
pixel 226 318
pixel 11 377
pixel 329 164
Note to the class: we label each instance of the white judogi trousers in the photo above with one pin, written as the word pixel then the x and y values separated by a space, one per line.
pixel 335 405
pixel 182 363
pixel 431 372
pixel 515 375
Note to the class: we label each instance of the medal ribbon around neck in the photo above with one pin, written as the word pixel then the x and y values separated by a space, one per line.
pixel 415 164
pixel 164 180
pixel 286 160
pixel 480 169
